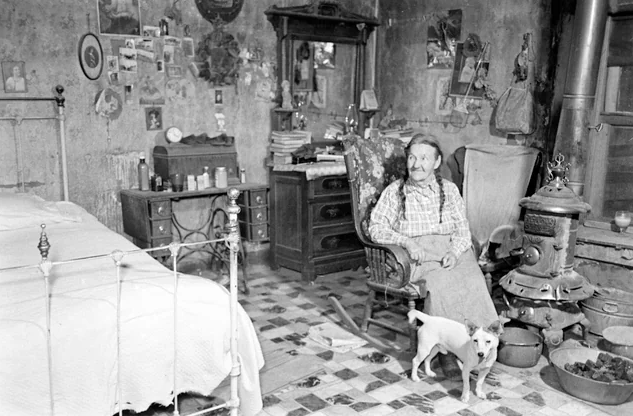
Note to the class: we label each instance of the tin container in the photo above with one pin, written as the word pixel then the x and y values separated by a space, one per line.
pixel 221 179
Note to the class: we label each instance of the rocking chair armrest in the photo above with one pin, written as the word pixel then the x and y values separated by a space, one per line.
pixel 399 254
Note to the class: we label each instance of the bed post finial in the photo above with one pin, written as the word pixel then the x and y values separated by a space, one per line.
pixel 44 245
pixel 59 97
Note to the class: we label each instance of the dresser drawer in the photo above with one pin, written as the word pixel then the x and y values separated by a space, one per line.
pixel 335 240
pixel 254 232
pixel 253 198
pixel 331 212
pixel 160 209
pixel 161 228
pixel 330 185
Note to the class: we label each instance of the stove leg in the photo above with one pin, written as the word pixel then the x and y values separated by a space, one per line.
pixel 586 325
pixel 552 338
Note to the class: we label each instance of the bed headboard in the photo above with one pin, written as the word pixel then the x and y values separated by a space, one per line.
pixel 17 120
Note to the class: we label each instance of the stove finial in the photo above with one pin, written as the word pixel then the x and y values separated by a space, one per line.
pixel 557 172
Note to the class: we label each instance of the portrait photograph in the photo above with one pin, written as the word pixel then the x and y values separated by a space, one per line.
pixel 14 76
pixel 154 118
pixel 174 71
pixel 119 17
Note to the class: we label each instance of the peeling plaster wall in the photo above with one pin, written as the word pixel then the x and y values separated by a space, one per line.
pixel 405 82
pixel 45 36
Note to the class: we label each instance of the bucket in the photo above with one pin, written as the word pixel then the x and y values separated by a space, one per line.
pixel 619 340
pixel 608 307
pixel 519 347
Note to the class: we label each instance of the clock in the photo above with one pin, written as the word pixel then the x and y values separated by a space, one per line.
pixel 173 134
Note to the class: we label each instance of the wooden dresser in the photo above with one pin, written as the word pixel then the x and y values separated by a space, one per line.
pixel 149 217
pixel 311 225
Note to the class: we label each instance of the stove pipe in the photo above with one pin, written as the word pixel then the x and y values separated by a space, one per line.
pixel 580 85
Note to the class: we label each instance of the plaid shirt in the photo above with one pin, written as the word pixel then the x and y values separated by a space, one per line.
pixel 388 226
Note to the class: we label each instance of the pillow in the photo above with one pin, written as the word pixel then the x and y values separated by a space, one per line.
pixel 25 210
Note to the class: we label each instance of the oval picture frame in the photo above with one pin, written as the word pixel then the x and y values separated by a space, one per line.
pixel 90 56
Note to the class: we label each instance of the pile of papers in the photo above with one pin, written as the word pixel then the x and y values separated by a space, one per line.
pixel 283 143
pixel 335 338
pixel 334 130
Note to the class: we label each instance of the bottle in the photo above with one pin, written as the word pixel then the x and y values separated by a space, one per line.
pixel 242 175
pixel 221 179
pixel 143 173
pixel 205 178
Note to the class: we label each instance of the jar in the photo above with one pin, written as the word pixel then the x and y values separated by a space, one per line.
pixel 221 179
pixel 242 175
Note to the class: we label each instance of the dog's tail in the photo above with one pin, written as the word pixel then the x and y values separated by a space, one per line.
pixel 414 314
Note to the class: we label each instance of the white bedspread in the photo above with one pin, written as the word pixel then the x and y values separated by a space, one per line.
pixel 83 320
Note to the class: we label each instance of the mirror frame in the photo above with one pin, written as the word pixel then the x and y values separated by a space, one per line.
pixel 325 21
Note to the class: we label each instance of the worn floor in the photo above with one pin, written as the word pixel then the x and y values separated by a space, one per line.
pixel 303 378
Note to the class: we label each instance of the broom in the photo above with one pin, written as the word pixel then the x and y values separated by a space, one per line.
pixel 459 115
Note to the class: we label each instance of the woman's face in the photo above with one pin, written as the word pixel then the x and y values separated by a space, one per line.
pixel 422 162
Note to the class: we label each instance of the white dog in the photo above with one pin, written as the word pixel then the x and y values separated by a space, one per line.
pixel 475 347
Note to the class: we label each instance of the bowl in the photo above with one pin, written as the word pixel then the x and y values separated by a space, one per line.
pixel 519 347
pixel 584 388
pixel 619 340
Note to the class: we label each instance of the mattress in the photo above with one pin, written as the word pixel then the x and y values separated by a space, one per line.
pixel 83 311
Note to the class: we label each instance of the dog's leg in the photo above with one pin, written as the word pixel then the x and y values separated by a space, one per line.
pixel 479 387
pixel 423 352
pixel 466 384
pixel 427 362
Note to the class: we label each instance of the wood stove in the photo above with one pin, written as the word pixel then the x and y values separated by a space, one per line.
pixel 544 289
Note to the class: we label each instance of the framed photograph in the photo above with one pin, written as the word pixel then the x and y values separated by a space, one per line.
pixel 154 118
pixel 465 71
pixel 187 47
pixel 444 30
pixel 13 75
pixel 90 56
pixel 119 17
pixel 443 102
pixel 325 55
pixel 303 74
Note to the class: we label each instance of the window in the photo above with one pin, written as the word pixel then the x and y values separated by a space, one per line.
pixel 610 171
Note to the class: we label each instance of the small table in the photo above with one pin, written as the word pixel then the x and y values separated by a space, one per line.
pixel 149 218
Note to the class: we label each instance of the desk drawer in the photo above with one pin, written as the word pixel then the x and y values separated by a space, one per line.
pixel 254 232
pixel 160 209
pixel 331 212
pixel 330 185
pixel 254 215
pixel 161 228
pixel 253 198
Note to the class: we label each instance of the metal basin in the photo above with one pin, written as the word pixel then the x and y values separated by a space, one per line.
pixel 519 347
pixel 619 340
pixel 591 390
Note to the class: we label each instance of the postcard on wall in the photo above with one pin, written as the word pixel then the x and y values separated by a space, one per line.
pixel 172 41
pixel 174 71
pixel 154 118
pixel 127 60
pixel 466 72
pixel 113 63
pixel 152 90
pixel 144 55
pixel 168 54
pixel 119 17
pixel 151 31
pixel 187 47
pixel 146 44
pixel 443 34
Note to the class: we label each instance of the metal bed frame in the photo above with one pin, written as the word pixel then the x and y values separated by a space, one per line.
pixel 231 239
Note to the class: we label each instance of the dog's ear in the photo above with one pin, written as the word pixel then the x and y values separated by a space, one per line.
pixel 470 327
pixel 496 328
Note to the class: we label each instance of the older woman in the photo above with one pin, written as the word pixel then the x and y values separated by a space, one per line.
pixel 425 214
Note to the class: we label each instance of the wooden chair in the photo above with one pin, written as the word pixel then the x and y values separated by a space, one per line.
pixel 371 166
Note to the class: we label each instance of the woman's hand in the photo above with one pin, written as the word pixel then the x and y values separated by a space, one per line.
pixel 416 252
pixel 449 261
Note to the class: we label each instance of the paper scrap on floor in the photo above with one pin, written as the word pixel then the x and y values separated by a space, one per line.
pixel 335 338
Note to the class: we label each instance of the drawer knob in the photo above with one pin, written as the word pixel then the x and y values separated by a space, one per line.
pixel 259 199
pixel 259 216
pixel 161 229
pixel 161 210
pixel 260 233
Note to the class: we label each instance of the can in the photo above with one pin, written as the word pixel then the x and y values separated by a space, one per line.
pixel 221 178
pixel 242 175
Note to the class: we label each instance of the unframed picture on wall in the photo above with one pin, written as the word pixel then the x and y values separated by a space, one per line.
pixel 13 76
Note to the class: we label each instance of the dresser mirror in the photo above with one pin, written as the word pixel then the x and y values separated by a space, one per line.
pixel 321 52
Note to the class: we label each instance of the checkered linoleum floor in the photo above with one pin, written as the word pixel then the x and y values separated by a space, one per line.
pixel 302 378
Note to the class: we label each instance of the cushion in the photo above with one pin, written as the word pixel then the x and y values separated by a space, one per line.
pixel 26 210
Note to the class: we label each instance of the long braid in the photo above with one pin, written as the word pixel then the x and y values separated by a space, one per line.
pixel 421 138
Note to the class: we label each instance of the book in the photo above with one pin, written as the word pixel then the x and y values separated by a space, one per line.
pixel 368 100
pixel 274 147
pixel 282 160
